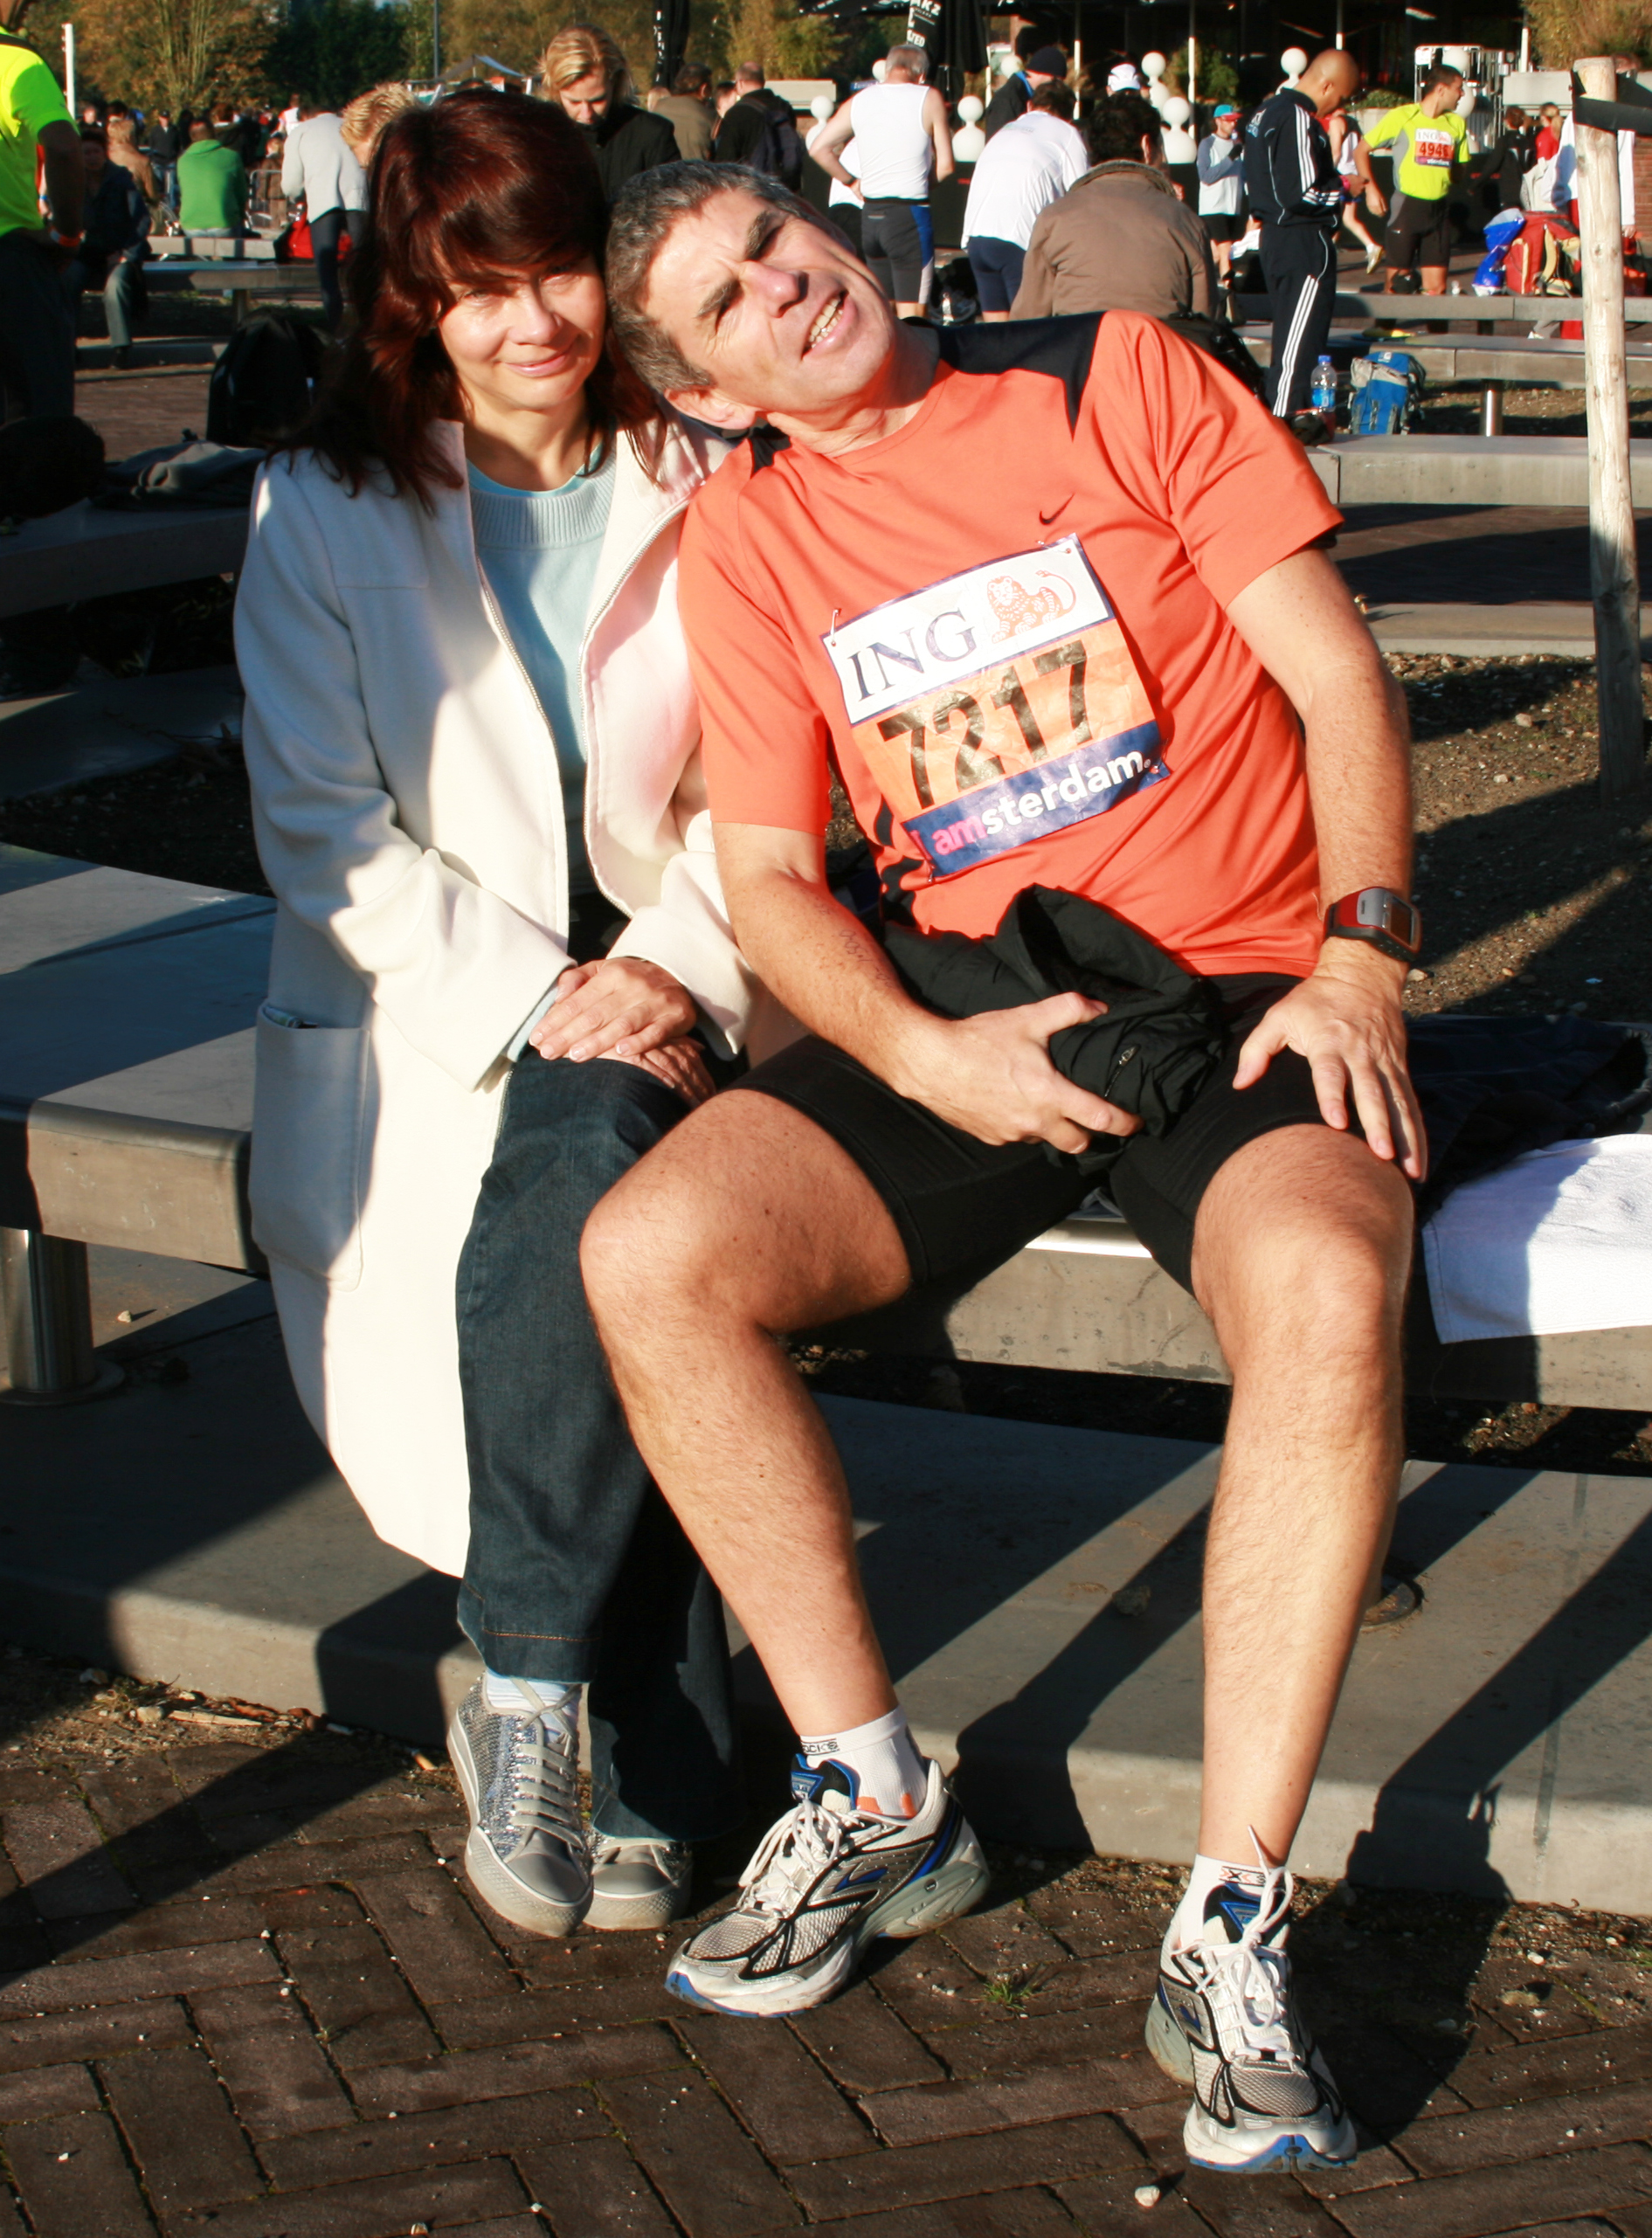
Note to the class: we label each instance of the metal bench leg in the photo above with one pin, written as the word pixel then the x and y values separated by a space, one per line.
pixel 1491 408
pixel 45 1299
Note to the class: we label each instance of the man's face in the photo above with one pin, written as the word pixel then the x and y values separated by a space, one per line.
pixel 587 100
pixel 782 316
pixel 1036 78
pixel 1226 126
pixel 96 160
pixel 1439 99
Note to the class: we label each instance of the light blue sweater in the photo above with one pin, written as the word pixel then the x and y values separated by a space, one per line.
pixel 538 548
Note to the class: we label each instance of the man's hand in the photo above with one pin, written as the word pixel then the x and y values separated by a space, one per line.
pixel 624 1007
pixel 1376 200
pixel 1346 1020
pixel 991 1075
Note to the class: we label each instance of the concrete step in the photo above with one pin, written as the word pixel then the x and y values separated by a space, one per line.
pixel 1491 631
pixel 1466 470
pixel 1497 1741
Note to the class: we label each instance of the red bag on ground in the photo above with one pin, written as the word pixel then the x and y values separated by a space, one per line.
pixel 298 242
pixel 1535 264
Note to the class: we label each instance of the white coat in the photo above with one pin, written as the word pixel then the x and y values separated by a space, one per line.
pixel 408 810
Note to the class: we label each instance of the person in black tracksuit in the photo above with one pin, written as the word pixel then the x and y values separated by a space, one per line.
pixel 1292 185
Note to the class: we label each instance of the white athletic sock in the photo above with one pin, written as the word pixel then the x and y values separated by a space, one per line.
pixel 1254 1884
pixel 884 1758
pixel 528 1697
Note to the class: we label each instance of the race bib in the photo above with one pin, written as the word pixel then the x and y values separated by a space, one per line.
pixel 997 706
pixel 1434 150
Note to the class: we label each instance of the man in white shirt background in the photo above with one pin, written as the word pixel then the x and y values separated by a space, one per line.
pixel 905 142
pixel 1022 170
pixel 320 164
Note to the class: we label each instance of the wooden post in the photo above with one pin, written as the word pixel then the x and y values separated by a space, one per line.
pixel 1613 572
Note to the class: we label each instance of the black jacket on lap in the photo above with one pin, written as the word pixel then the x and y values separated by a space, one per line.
pixel 1151 1049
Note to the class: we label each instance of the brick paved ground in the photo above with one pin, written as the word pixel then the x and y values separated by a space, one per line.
pixel 243 1993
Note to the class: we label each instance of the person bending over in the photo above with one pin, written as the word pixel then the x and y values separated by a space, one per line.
pixel 1137 678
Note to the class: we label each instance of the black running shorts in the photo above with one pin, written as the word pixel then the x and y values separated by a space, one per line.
pixel 897 242
pixel 963 1205
pixel 1417 229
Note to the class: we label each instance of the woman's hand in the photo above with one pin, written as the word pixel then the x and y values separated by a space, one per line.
pixel 624 1007
pixel 681 1066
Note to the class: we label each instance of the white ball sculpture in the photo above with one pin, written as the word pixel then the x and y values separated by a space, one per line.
pixel 822 107
pixel 1007 63
pixel 1153 66
pixel 969 140
pixel 1180 146
pixel 880 69
pixel 1293 62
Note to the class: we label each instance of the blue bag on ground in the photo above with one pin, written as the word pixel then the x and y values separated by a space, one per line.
pixel 1385 384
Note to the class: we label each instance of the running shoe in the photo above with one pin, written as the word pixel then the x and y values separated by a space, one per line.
pixel 637 1883
pixel 527 1855
pixel 1223 2022
pixel 828 1879
pixel 1374 258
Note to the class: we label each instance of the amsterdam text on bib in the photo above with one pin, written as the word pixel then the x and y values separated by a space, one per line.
pixel 998 706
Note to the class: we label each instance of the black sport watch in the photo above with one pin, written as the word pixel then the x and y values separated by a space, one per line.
pixel 1378 915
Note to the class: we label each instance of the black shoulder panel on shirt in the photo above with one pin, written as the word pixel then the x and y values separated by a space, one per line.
pixel 767 444
pixel 1061 347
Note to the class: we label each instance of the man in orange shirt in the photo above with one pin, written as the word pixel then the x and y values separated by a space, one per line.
pixel 1131 675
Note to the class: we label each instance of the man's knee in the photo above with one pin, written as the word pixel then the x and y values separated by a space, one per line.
pixel 647 1256
pixel 1307 1251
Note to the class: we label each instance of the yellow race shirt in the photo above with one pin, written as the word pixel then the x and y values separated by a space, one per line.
pixel 29 99
pixel 1425 149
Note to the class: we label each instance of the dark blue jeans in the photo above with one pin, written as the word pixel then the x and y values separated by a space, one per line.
pixel 578 1568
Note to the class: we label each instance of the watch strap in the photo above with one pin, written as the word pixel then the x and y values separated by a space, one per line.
pixel 1381 918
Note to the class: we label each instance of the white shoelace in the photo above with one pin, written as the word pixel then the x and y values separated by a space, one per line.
pixel 793 1853
pixel 1248 1978
pixel 543 1798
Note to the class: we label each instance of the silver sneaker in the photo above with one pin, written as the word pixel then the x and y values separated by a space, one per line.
pixel 526 1856
pixel 637 1883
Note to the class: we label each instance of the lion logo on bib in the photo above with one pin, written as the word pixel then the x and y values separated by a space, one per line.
pixel 1016 609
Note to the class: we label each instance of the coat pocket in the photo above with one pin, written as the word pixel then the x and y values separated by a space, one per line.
pixel 308 1131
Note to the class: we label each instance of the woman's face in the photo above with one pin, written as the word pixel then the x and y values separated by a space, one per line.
pixel 527 345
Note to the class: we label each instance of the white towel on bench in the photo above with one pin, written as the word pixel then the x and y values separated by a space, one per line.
pixel 1557 1240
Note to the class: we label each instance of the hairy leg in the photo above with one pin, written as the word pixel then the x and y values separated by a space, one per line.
pixel 1302 1250
pixel 747 1222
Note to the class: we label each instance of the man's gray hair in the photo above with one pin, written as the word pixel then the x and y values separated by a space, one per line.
pixel 915 59
pixel 645 215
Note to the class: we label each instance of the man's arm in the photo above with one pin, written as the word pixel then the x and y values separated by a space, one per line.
pixel 65 175
pixel 940 132
pixel 1376 200
pixel 1346 1019
pixel 828 145
pixel 991 1075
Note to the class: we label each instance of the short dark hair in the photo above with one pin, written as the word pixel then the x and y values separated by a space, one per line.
pixel 645 215
pixel 1059 100
pixel 1442 74
pixel 1116 127
pixel 692 78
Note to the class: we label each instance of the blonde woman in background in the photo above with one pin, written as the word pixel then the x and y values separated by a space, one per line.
pixel 587 74
pixel 363 121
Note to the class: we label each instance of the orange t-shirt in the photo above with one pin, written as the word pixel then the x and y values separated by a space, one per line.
pixel 1005 626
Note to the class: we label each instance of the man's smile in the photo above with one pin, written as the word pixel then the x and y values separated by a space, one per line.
pixel 826 321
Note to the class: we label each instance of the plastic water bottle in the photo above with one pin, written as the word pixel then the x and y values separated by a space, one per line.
pixel 1323 395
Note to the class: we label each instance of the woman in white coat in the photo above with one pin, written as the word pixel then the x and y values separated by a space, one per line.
pixel 473 747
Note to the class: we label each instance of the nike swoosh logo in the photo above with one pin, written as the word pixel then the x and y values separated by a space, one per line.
pixel 1045 519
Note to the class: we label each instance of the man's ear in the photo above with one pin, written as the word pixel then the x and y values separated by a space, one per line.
pixel 712 409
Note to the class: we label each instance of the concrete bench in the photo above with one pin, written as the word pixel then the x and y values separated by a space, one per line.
pixel 1483 311
pixel 244 281
pixel 1490 363
pixel 143 1143
pixel 166 248
pixel 85 552
pixel 1466 470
